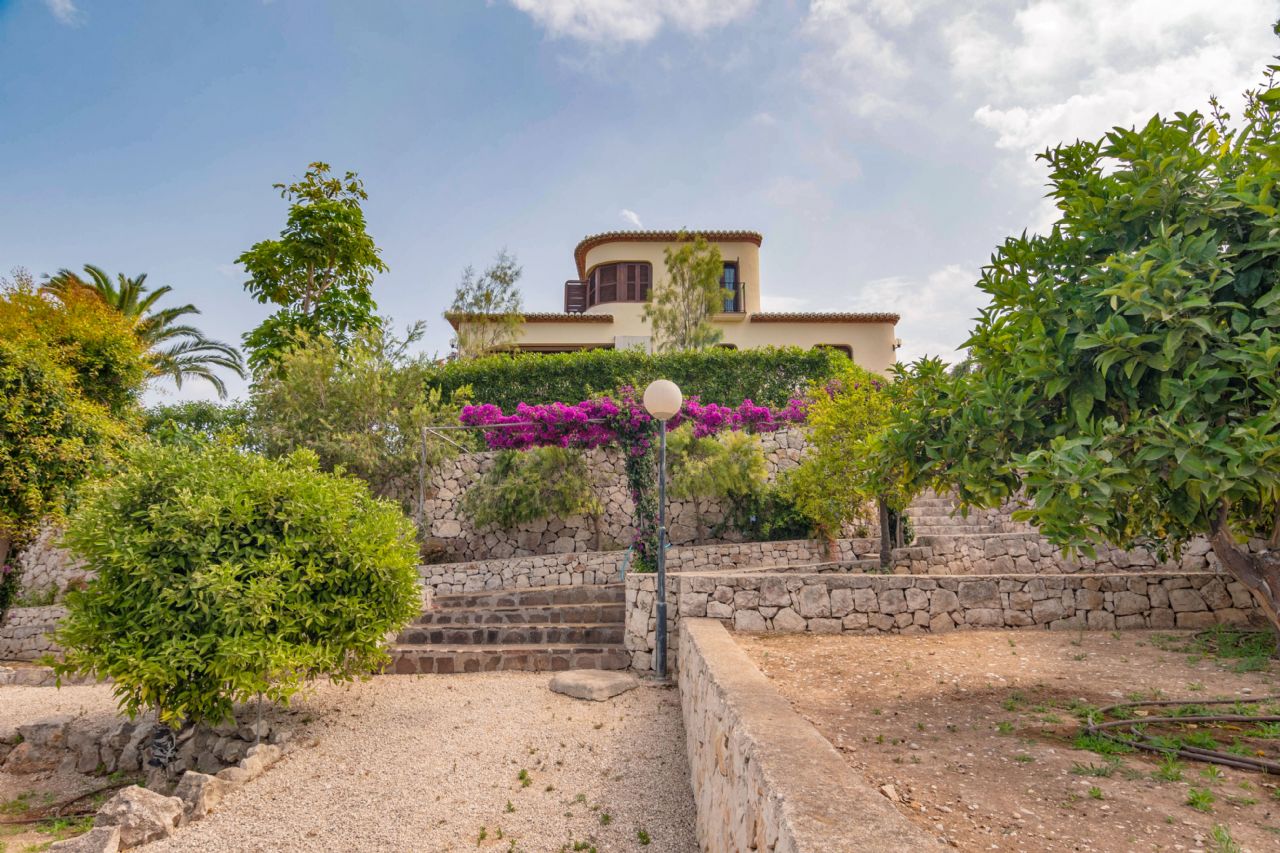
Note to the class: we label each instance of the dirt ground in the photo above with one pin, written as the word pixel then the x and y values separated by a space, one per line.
pixel 974 733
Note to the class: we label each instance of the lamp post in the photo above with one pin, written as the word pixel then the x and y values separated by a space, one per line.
pixel 662 400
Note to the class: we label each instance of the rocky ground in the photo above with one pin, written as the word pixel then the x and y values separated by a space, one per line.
pixel 972 735
pixel 466 762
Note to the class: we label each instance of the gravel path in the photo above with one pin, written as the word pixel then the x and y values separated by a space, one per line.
pixel 433 764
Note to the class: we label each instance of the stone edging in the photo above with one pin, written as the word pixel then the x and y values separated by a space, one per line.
pixel 763 777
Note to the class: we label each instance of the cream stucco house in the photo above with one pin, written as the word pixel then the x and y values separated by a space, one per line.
pixel 604 305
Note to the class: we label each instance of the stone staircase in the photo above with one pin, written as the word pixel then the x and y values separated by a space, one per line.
pixel 934 515
pixel 536 629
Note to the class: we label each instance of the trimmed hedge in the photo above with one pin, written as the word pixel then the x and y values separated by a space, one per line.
pixel 769 376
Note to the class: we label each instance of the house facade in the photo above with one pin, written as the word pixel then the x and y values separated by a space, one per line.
pixel 604 304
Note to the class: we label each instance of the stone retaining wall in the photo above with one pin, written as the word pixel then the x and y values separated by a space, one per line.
pixel 911 604
pixel 47 570
pixel 454 534
pixel 1031 553
pixel 764 778
pixel 24 633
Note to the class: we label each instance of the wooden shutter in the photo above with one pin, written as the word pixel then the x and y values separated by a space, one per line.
pixel 609 283
pixel 642 292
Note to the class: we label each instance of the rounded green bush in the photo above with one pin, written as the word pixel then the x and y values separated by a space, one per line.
pixel 222 574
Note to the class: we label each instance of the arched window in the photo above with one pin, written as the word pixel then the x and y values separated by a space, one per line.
pixel 621 282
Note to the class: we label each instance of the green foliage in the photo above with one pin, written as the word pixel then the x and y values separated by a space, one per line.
pixel 70 370
pixel 840 476
pixel 487 308
pixel 769 515
pixel 770 376
pixel 194 421
pixel 360 408
pixel 680 309
pixel 526 485
pixel 178 350
pixel 320 271
pixel 728 466
pixel 222 574
pixel 1128 364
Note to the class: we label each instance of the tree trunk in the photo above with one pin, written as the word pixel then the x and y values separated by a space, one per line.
pixel 886 545
pixel 4 549
pixel 1260 573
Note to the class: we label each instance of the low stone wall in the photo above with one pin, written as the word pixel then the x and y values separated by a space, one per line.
pixel 909 604
pixel 24 633
pixel 47 570
pixel 453 533
pixel 595 567
pixel 763 777
pixel 1031 553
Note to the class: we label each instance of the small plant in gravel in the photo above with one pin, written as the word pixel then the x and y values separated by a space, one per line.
pixel 1004 727
pixel 1095 793
pixel 1100 744
pixel 525 779
pixel 1023 758
pixel 643 837
pixel 1201 799
pixel 484 833
pixel 1220 840
pixel 1212 773
pixel 1169 770
pixel 606 819
pixel 510 808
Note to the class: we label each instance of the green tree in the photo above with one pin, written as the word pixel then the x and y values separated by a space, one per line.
pixel 838 480
pixel 222 575
pixel 487 308
pixel 680 310
pixel 1128 364
pixel 70 370
pixel 320 271
pixel 361 409
pixel 726 467
pixel 178 351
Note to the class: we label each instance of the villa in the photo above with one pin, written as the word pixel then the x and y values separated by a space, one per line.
pixel 604 304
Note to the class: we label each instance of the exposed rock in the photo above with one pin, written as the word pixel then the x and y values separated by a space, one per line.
pixel 200 793
pixel 593 684
pixel 141 815
pixel 100 839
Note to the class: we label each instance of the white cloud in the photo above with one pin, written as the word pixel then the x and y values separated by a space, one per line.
pixel 65 11
pixel 1069 69
pixel 631 217
pixel 630 20
pixel 937 311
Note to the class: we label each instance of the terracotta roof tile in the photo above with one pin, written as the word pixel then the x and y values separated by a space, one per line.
pixel 822 317
pixel 539 317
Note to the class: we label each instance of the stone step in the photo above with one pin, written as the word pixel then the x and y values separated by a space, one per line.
pixel 513 635
pixel 932 502
pixel 410 659
pixel 612 593
pixel 546 615
pixel 954 529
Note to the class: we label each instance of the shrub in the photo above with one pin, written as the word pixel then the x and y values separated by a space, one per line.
pixel 770 377
pixel 194 420
pixel 222 574
pixel 526 485
pixel 728 466
pixel 768 515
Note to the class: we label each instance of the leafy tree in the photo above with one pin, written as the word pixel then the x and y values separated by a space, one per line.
pixel 487 308
pixel 680 310
pixel 728 467
pixel 178 350
pixel 1128 364
pixel 360 409
pixel 222 575
pixel 70 370
pixel 320 271
pixel 838 479
pixel 526 485
pixel 194 421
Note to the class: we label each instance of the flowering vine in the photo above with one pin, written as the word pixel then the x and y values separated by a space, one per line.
pixel 623 423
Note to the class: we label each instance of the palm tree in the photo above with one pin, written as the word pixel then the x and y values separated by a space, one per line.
pixel 179 351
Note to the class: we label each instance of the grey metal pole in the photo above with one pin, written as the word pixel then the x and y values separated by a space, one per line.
pixel 660 642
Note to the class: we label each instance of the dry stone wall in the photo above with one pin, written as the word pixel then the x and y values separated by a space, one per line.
pixel 763 777
pixel 913 604
pixel 460 540
pixel 24 632
pixel 47 570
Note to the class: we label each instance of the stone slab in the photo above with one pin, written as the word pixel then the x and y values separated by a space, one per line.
pixel 594 684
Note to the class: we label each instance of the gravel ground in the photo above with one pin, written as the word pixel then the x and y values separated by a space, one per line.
pixel 433 763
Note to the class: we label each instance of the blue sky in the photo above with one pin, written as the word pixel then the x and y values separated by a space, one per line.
pixel 883 147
